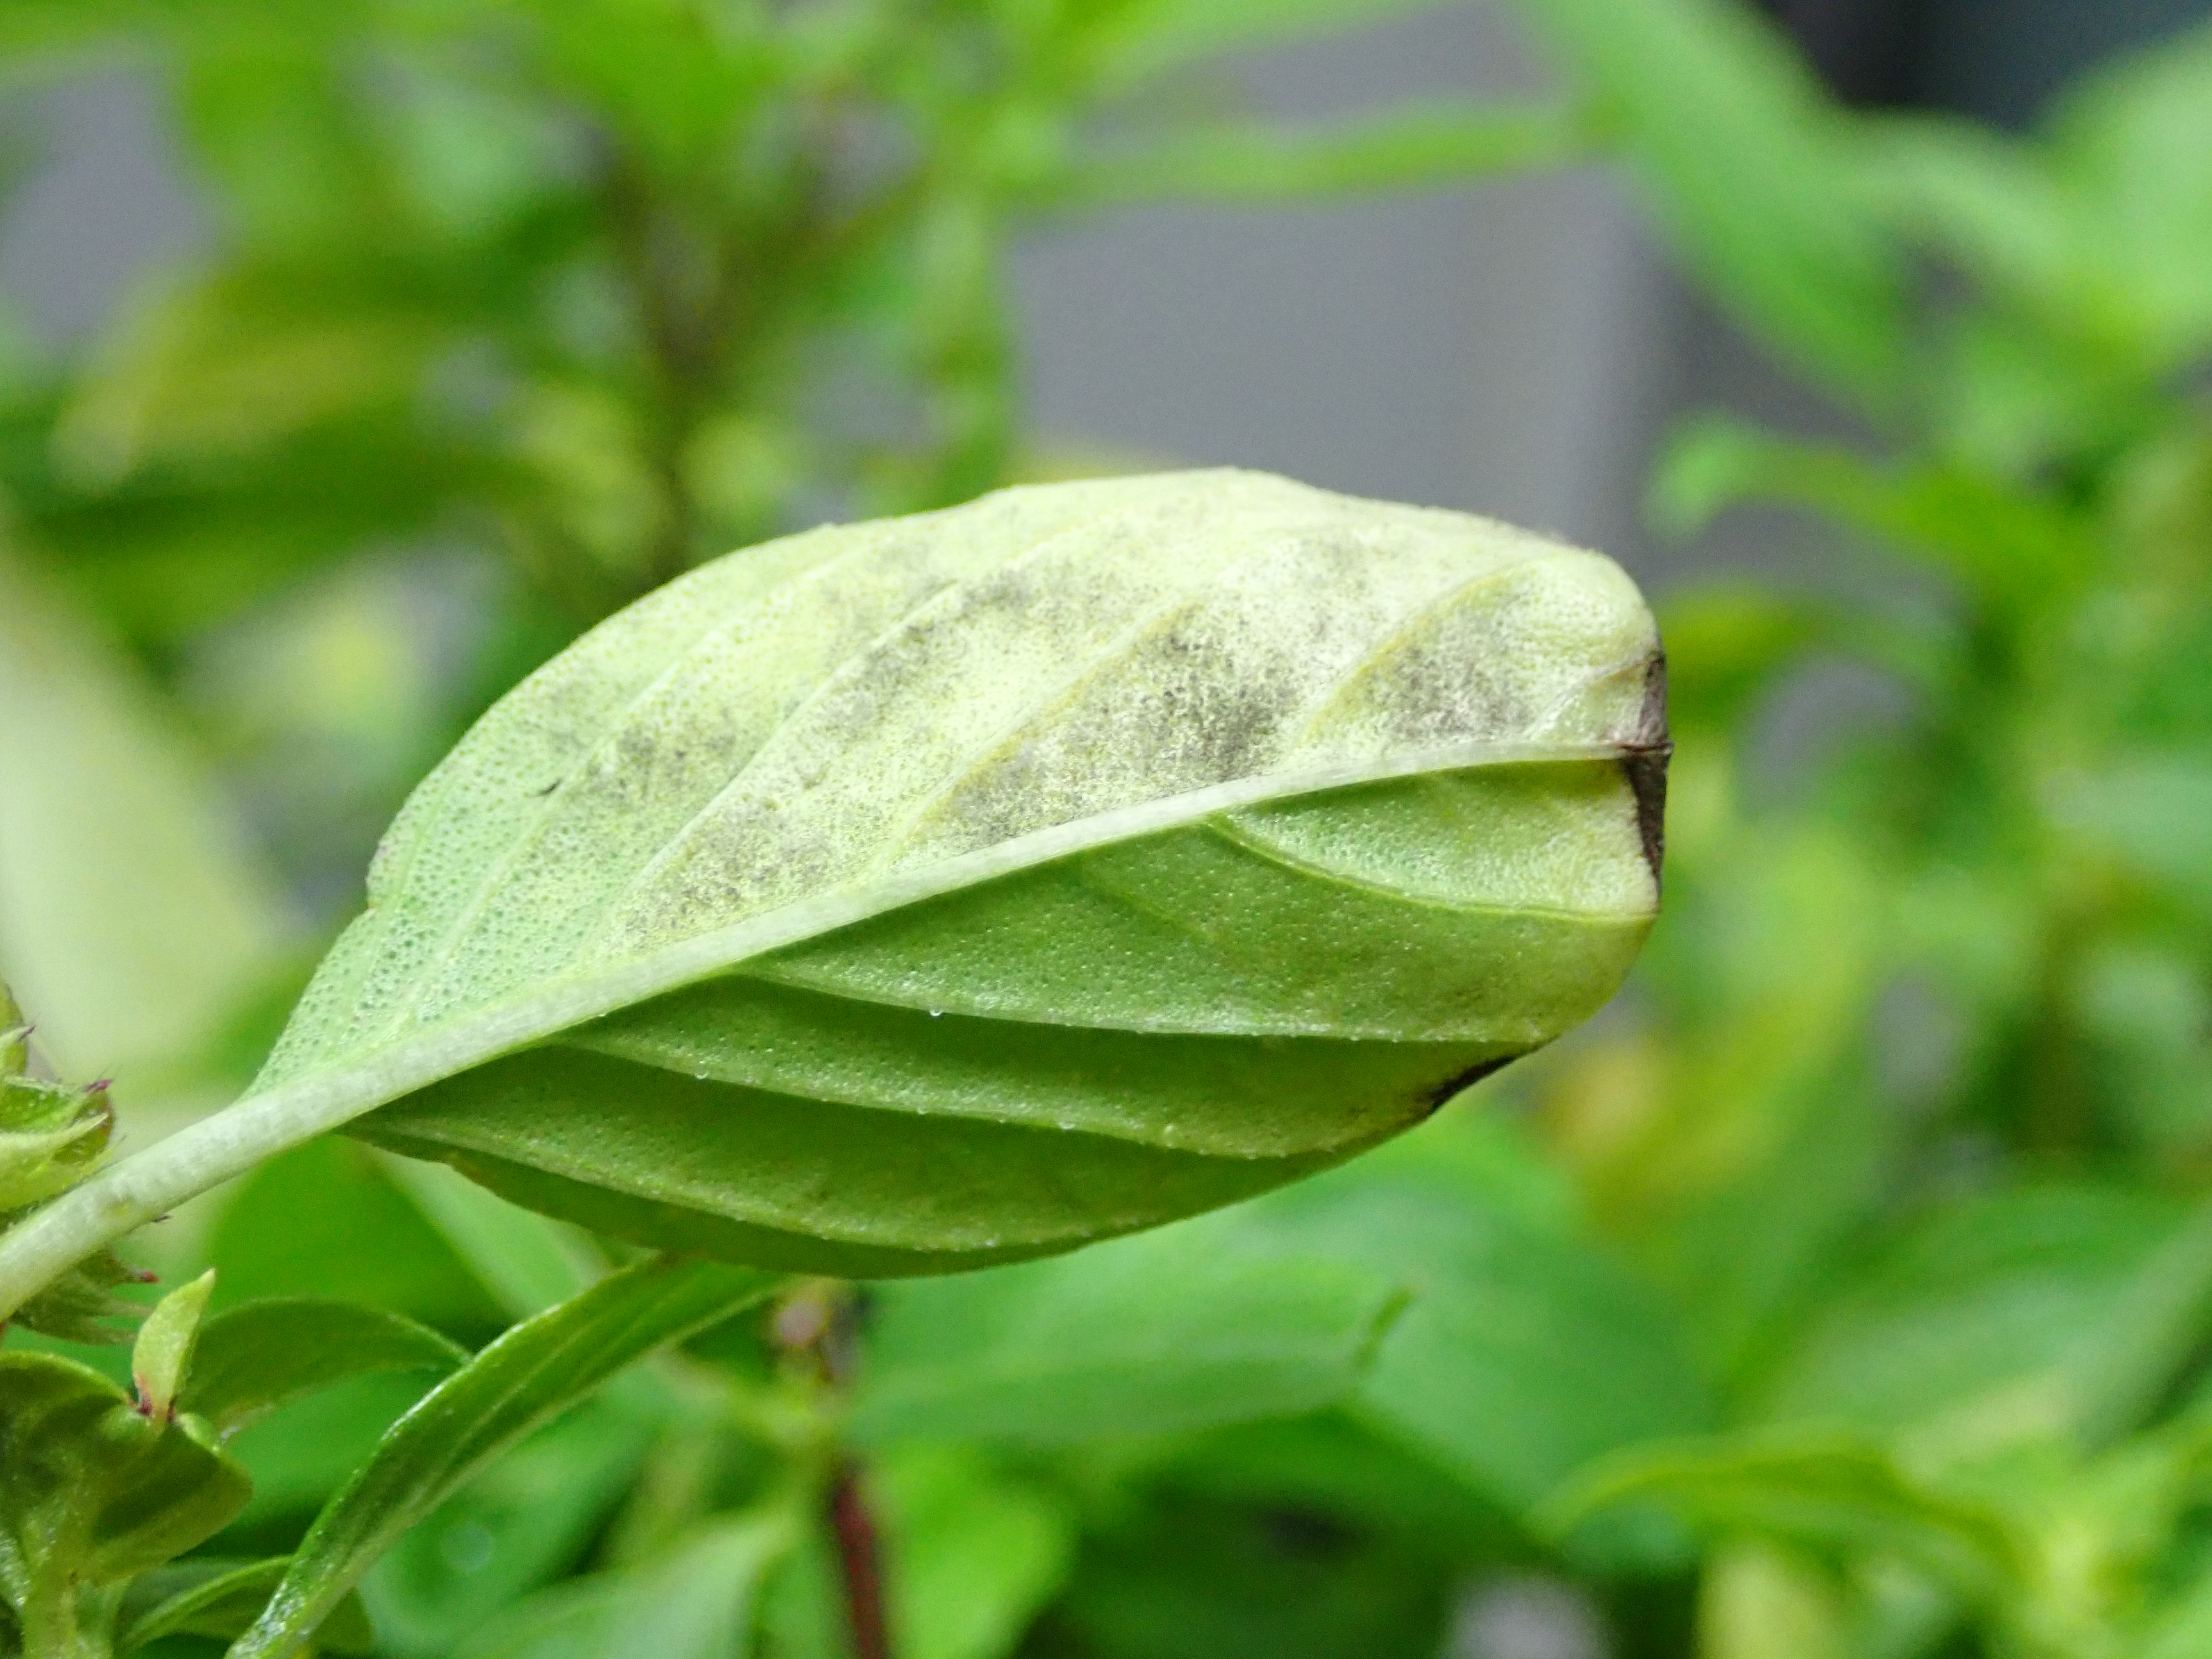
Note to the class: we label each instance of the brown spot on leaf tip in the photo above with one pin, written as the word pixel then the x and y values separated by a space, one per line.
pixel 1643 761
pixel 1459 1082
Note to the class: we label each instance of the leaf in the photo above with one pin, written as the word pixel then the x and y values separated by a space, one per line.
pixel 1170 1332
pixel 92 1491
pixel 1750 174
pixel 974 1554
pixel 257 1357
pixel 2013 551
pixel 522 1520
pixel 523 1260
pixel 162 1355
pixel 2134 144
pixel 326 1219
pixel 940 891
pixel 1824 1493
pixel 521 1381
pixel 696 1604
pixel 1407 149
pixel 1524 1354
pixel 81 1306
pixel 131 918
pixel 221 1599
pixel 2015 1316
pixel 51 1136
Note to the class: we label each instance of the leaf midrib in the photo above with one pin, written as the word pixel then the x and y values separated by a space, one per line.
pixel 542 815
pixel 561 1004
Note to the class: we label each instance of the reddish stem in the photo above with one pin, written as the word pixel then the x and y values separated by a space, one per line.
pixel 859 1555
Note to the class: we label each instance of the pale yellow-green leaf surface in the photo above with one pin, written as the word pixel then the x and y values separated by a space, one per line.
pixel 131 914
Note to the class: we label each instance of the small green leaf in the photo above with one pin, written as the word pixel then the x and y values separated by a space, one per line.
pixel 526 1262
pixel 81 1306
pixel 1824 1492
pixel 522 1380
pixel 49 1138
pixel 1165 1333
pixel 221 1599
pixel 1524 1352
pixel 93 1491
pixel 520 1523
pixel 254 1358
pixel 163 1354
pixel 695 1603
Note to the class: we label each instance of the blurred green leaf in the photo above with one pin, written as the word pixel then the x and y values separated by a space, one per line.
pixel 1751 174
pixel 695 1603
pixel 527 1518
pixel 1829 1493
pixel 973 1553
pixel 2149 811
pixel 2133 145
pixel 325 1219
pixel 526 1262
pixel 1174 1577
pixel 530 1375
pixel 131 915
pixel 1969 1327
pixel 1524 1352
pixel 161 1357
pixel 1408 149
pixel 259 1355
pixel 1330 1463
pixel 2182 1628
pixel 92 1493
pixel 1164 1332
pixel 221 1599
pixel 2012 548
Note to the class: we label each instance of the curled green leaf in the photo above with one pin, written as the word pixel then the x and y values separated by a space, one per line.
pixel 163 1352
pixel 914 895
pixel 905 896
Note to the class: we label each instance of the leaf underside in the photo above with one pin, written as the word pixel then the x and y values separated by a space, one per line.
pixel 963 888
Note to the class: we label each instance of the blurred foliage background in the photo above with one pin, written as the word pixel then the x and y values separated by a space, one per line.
pixel 1845 1293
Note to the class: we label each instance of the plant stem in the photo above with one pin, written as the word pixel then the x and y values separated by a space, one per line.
pixel 860 1561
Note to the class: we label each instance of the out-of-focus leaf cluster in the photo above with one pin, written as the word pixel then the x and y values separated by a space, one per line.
pixel 1913 1109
